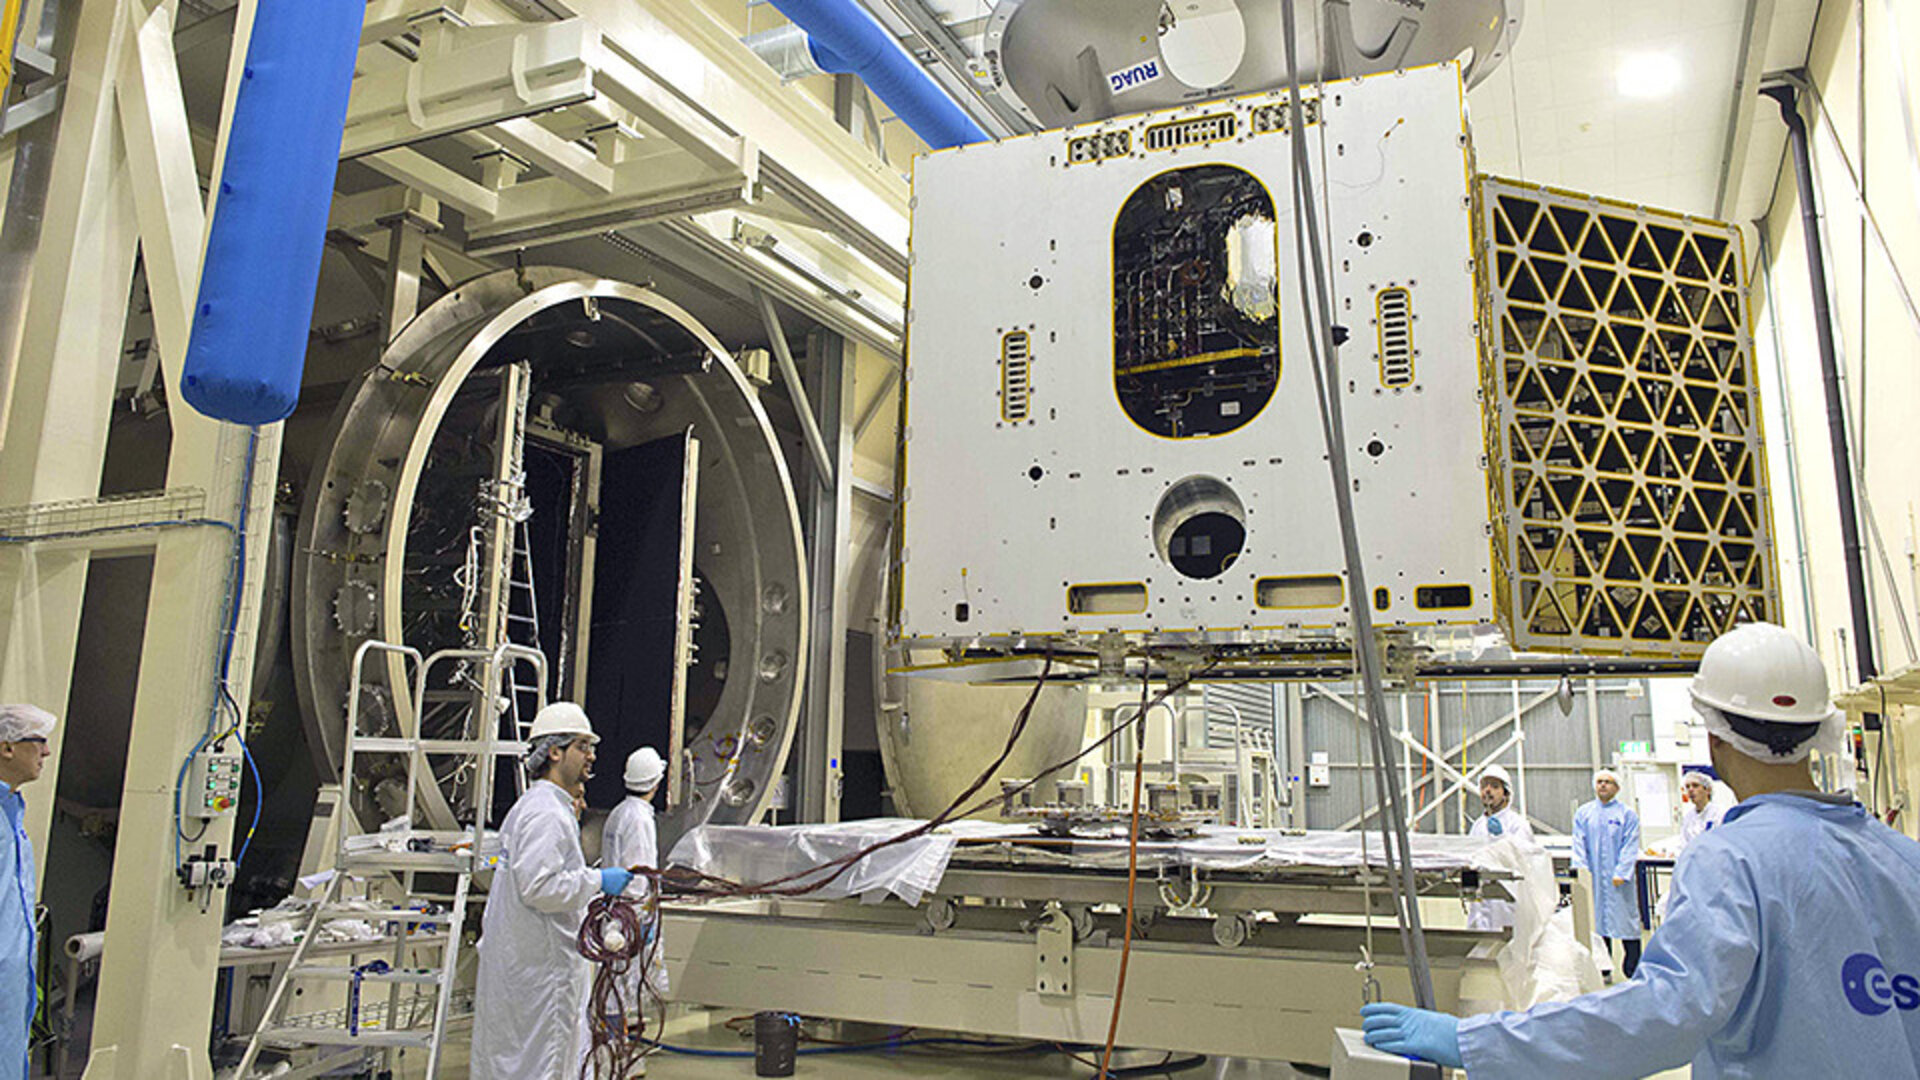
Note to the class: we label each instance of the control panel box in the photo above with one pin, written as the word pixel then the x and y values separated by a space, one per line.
pixel 1111 419
pixel 213 784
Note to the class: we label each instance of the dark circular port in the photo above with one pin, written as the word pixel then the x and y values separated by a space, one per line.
pixel 1036 281
pixel 1199 527
pixel 1376 448
pixel 1036 473
pixel 1365 239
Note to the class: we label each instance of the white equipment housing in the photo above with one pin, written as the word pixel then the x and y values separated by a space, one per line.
pixel 1111 413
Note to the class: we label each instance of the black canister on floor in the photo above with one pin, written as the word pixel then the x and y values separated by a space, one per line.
pixel 776 1042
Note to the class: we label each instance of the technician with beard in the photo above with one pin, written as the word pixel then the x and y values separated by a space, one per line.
pixel 1501 821
pixel 530 1000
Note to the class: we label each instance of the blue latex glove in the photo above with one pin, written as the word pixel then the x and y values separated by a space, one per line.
pixel 1410 1032
pixel 613 880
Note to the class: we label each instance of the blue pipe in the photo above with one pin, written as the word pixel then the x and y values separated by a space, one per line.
pixel 250 323
pixel 844 39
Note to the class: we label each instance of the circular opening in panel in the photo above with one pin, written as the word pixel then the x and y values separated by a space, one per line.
pixel 1200 527
pixel 1202 41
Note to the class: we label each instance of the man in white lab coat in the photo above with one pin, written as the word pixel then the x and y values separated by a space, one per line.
pixel 1501 821
pixel 531 997
pixel 628 841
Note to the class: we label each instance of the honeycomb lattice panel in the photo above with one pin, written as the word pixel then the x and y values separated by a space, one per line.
pixel 1629 485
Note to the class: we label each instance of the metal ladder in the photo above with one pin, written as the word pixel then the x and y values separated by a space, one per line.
pixel 361 1030
pixel 523 628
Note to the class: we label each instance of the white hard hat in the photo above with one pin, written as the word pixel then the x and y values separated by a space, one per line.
pixel 22 721
pixel 1763 672
pixel 1495 772
pixel 561 718
pixel 644 769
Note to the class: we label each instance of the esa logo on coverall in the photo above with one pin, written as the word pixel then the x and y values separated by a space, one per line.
pixel 1871 991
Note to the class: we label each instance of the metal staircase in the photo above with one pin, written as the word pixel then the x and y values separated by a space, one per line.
pixel 418 999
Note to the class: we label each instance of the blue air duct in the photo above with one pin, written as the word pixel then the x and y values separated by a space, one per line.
pixel 844 39
pixel 250 323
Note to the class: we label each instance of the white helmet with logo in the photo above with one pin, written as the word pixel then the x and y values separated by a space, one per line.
pixel 1762 678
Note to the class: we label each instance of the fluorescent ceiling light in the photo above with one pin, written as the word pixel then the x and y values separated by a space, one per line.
pixel 1648 75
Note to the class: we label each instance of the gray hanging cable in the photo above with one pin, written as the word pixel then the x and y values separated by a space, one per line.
pixel 1317 310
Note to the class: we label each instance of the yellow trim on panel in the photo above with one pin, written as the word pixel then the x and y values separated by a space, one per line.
pixel 1024 340
pixel 1339 584
pixel 1113 585
pixel 1380 331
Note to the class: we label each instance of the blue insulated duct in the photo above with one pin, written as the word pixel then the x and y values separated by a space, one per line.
pixel 844 39
pixel 250 323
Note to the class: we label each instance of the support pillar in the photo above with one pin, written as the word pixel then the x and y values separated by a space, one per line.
pixel 155 1001
pixel 829 379
pixel 62 395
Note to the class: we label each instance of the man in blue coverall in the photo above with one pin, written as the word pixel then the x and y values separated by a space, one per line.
pixel 1606 847
pixel 24 731
pixel 1791 946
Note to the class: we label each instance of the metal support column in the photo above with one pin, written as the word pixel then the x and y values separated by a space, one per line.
pixel 156 999
pixel 829 383
pixel 1296 764
pixel 407 234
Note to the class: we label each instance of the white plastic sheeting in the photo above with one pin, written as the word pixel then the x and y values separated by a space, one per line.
pixel 914 868
pixel 1542 962
pixel 752 855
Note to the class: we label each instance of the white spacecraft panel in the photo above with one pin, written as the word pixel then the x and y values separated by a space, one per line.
pixel 1111 422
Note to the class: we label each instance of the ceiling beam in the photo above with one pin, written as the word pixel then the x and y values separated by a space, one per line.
pixel 1757 29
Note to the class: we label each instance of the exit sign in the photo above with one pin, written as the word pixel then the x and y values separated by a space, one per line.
pixel 1628 748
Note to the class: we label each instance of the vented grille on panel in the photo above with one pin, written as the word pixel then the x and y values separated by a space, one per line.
pixel 1629 497
pixel 1016 375
pixel 1393 312
pixel 1204 129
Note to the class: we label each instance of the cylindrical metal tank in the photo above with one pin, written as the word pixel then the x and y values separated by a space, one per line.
pixel 1076 61
pixel 942 734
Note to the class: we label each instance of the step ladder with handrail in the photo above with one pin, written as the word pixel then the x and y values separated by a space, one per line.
pixel 414 993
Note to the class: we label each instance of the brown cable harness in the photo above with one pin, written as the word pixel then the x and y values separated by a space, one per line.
pixel 617 935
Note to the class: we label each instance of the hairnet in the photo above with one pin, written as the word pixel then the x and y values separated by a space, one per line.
pixel 1830 739
pixel 1606 774
pixel 1695 776
pixel 24 721
pixel 537 750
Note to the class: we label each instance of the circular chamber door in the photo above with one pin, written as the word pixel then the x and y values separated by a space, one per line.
pixel 574 466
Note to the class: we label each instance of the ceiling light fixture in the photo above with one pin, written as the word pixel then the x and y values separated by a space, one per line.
pixel 1648 75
